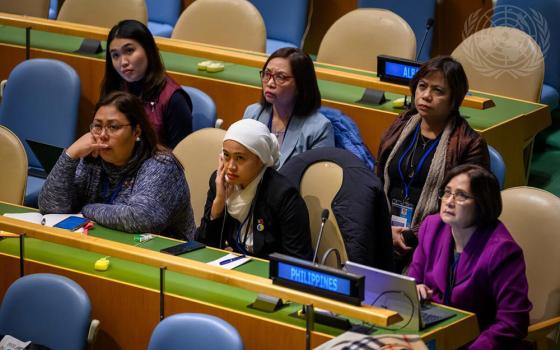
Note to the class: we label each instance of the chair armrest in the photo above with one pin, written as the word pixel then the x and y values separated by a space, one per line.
pixel 92 333
pixel 541 329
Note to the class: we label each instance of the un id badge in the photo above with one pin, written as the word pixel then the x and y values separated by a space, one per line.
pixel 401 213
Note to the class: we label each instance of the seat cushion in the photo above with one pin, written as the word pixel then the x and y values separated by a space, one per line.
pixel 160 29
pixel 549 96
pixel 273 45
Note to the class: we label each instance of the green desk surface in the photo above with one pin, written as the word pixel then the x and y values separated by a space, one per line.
pixel 480 120
pixel 175 283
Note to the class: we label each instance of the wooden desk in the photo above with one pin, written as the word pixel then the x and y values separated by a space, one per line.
pixel 509 126
pixel 126 301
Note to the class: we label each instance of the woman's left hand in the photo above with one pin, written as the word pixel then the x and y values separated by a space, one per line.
pixel 424 292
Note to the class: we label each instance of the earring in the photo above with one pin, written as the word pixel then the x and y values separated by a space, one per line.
pixel 138 139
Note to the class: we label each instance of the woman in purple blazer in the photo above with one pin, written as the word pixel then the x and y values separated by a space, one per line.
pixel 466 258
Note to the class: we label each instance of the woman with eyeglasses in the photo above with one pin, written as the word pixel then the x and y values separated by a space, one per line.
pixel 466 258
pixel 422 145
pixel 118 176
pixel 290 103
pixel 133 64
pixel 250 207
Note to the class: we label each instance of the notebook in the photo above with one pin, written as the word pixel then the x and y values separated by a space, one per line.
pixel 46 154
pixel 397 292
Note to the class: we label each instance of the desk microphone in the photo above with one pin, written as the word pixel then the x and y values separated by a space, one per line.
pixel 429 25
pixel 324 217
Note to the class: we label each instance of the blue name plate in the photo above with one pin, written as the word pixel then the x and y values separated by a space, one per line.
pixel 316 279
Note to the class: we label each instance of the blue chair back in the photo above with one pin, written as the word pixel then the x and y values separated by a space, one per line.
pixel 162 16
pixel 285 22
pixel 53 9
pixel 415 12
pixel 204 109
pixel 47 309
pixel 497 165
pixel 539 19
pixel 40 103
pixel 194 331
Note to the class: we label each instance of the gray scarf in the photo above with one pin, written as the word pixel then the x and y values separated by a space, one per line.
pixel 428 201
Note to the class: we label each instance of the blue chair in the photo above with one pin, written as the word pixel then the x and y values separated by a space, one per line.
pixel 204 109
pixel 538 18
pixel 162 16
pixel 497 165
pixel 285 21
pixel 53 9
pixel 40 103
pixel 415 12
pixel 194 331
pixel 46 309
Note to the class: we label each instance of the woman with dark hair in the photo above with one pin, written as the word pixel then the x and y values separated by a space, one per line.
pixel 118 175
pixel 250 205
pixel 290 102
pixel 133 64
pixel 422 145
pixel 466 258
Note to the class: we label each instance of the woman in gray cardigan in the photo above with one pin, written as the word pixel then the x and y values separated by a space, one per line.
pixel 118 176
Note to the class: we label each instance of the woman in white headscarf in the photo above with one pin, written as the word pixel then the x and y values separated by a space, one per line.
pixel 251 207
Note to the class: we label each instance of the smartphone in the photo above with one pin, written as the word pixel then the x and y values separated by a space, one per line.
pixel 183 248
pixel 410 239
pixel 72 223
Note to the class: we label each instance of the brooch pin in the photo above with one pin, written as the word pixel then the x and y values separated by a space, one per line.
pixel 260 225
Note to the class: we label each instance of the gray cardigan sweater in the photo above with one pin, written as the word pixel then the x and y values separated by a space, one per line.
pixel 155 199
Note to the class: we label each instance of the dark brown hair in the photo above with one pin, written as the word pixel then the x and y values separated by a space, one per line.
pixel 133 110
pixel 154 79
pixel 484 188
pixel 308 96
pixel 453 73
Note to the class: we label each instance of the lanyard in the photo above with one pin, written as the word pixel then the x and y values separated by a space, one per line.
pixel 241 245
pixel 114 194
pixel 451 278
pixel 420 164
pixel 285 130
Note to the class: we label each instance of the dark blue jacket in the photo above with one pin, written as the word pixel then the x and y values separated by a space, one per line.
pixel 360 206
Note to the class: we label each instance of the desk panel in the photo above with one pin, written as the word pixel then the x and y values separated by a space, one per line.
pixel 126 301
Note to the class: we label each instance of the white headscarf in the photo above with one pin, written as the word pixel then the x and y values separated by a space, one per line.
pixel 256 137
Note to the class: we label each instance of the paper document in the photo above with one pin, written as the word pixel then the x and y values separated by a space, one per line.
pixel 48 220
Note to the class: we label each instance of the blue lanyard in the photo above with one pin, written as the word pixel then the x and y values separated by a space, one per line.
pixel 420 164
pixel 287 125
pixel 451 278
pixel 115 192
pixel 241 245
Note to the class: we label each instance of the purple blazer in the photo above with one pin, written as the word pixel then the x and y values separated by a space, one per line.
pixel 490 280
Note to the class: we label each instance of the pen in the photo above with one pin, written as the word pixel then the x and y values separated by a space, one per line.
pixel 227 261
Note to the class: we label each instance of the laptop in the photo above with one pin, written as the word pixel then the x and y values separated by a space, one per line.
pixel 46 154
pixel 398 293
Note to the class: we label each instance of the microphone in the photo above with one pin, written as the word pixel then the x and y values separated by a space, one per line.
pixel 429 25
pixel 324 217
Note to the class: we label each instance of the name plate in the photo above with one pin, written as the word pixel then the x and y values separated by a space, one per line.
pixel 316 279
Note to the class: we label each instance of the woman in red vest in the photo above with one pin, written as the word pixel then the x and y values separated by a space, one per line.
pixel 133 64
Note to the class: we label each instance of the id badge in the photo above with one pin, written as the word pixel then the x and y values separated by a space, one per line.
pixel 401 213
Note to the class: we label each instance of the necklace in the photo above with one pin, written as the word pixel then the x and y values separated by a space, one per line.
pixel 425 141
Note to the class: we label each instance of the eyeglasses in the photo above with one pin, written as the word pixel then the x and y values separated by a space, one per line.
pixel 111 129
pixel 279 78
pixel 459 197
